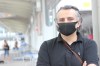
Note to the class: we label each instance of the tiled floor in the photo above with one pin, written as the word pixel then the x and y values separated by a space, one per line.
pixel 20 60
pixel 19 63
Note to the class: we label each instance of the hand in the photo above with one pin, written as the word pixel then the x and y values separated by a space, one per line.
pixel 84 64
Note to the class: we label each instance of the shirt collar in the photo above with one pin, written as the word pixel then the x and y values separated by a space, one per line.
pixel 59 38
pixel 80 38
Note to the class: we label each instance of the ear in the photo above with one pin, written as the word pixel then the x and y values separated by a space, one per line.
pixel 78 24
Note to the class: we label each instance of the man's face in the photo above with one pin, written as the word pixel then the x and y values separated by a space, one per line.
pixel 69 15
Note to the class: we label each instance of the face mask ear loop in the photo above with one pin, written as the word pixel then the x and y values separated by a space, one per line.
pixel 76 25
pixel 78 28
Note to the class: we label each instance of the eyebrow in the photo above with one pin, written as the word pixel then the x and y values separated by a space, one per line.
pixel 70 17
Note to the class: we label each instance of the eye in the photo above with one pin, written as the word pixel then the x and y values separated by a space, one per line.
pixel 61 19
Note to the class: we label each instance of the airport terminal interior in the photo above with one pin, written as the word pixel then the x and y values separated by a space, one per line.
pixel 26 24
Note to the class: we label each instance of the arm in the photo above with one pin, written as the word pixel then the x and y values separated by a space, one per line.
pixel 90 53
pixel 43 57
pixel 92 65
pixel 85 64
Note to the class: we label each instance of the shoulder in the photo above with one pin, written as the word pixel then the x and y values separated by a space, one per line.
pixel 89 42
pixel 49 43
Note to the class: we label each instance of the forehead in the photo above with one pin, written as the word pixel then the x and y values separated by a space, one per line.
pixel 66 13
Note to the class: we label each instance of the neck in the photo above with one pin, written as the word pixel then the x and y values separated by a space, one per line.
pixel 70 39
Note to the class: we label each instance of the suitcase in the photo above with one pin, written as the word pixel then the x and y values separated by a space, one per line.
pixel 1 61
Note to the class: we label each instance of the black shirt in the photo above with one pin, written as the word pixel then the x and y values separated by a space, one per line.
pixel 54 53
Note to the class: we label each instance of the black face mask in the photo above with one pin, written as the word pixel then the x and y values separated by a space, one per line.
pixel 67 28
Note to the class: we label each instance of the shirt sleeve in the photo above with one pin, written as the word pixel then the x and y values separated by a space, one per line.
pixel 43 57
pixel 90 53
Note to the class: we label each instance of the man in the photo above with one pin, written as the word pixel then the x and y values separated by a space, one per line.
pixel 54 52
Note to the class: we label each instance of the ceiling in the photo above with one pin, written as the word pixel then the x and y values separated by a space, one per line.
pixel 15 14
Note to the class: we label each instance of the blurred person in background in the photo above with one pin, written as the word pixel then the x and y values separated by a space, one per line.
pixel 16 46
pixel 16 49
pixel 70 48
pixel 6 49
pixel 23 46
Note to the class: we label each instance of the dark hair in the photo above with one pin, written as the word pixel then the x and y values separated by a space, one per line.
pixel 68 7
pixel 71 7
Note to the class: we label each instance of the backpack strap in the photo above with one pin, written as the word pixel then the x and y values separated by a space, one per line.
pixel 76 55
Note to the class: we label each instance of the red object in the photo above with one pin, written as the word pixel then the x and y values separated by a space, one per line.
pixel 90 36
